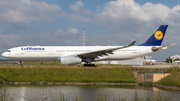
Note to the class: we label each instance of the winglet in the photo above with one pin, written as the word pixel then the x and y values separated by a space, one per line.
pixel 131 44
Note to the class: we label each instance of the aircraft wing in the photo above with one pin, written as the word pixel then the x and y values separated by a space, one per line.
pixel 95 54
pixel 155 49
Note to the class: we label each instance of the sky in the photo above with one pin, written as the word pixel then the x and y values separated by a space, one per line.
pixel 60 22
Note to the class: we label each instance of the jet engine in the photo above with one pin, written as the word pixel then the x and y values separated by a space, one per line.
pixel 70 60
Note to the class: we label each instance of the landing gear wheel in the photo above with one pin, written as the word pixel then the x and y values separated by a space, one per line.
pixel 88 65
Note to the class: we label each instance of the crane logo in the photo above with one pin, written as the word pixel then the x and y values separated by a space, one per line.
pixel 158 35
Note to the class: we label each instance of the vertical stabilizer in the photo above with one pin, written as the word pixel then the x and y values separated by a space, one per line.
pixel 157 37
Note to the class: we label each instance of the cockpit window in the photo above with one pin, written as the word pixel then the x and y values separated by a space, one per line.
pixel 8 51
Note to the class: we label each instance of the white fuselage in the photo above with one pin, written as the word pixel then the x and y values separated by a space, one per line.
pixel 54 53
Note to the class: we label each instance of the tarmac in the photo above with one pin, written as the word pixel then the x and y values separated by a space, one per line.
pixel 158 66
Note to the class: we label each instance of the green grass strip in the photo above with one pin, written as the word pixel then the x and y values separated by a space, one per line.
pixel 77 75
pixel 172 79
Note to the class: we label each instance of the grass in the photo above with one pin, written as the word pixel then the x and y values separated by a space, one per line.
pixel 1 81
pixel 51 72
pixel 152 70
pixel 172 79
pixel 105 73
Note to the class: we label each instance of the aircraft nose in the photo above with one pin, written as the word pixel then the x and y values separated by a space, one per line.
pixel 4 54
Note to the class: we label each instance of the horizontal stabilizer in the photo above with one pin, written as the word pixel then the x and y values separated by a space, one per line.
pixel 155 49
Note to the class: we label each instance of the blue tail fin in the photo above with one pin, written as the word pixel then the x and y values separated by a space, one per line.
pixel 157 37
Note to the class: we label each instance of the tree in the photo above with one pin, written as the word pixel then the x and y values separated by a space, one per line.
pixel 176 59
pixel 168 60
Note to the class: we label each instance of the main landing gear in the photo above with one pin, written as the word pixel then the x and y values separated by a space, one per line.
pixel 89 65
pixel 88 61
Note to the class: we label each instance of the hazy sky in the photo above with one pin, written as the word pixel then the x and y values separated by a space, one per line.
pixel 59 22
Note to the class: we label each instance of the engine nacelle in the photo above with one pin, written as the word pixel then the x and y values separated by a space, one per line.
pixel 70 60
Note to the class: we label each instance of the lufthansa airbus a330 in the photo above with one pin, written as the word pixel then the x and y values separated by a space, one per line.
pixel 68 55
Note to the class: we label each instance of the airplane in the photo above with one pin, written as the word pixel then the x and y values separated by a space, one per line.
pixel 69 55
pixel 149 61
